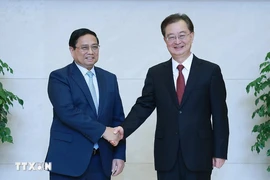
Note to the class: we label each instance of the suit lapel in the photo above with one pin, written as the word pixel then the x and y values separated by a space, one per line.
pixel 79 79
pixel 192 79
pixel 170 82
pixel 102 89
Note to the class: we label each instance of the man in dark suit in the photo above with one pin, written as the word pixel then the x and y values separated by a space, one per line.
pixel 86 104
pixel 187 93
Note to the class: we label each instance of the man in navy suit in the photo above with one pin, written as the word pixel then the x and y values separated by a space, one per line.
pixel 187 93
pixel 86 104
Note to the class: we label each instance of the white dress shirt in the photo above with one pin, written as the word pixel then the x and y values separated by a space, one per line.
pixel 86 77
pixel 185 71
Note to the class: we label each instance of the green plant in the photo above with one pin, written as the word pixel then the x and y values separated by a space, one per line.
pixel 261 87
pixel 6 100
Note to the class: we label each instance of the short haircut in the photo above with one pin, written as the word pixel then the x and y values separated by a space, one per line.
pixel 175 18
pixel 77 34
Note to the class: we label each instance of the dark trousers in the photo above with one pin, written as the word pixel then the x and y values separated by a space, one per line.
pixel 180 172
pixel 93 172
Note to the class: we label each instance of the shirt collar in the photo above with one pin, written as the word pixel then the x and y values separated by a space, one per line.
pixel 84 70
pixel 186 63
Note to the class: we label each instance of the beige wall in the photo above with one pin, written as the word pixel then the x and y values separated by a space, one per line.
pixel 34 41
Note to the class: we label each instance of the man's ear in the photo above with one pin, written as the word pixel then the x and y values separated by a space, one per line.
pixel 164 39
pixel 192 37
pixel 72 51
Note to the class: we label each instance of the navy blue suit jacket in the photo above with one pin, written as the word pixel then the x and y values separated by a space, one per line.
pixel 76 126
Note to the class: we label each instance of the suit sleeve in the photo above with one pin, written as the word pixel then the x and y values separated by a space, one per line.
pixel 219 114
pixel 60 95
pixel 118 118
pixel 143 107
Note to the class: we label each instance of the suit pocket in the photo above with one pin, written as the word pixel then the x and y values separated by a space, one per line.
pixel 62 136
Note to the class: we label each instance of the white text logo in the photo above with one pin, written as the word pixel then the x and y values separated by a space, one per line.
pixel 33 166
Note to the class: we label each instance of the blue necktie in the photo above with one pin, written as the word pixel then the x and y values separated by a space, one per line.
pixel 94 95
pixel 92 89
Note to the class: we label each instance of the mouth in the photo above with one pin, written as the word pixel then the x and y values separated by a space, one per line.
pixel 179 47
pixel 89 58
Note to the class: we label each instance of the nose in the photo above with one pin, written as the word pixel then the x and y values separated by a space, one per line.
pixel 178 40
pixel 90 51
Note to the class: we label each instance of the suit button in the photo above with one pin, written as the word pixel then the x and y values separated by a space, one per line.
pixel 176 133
pixel 180 112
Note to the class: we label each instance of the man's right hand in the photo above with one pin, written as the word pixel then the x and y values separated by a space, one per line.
pixel 120 132
pixel 112 136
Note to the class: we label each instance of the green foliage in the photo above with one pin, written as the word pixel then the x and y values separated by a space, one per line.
pixel 6 100
pixel 261 87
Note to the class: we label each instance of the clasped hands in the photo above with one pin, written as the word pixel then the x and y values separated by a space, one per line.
pixel 113 135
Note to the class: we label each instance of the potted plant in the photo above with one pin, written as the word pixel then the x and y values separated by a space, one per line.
pixel 261 87
pixel 6 100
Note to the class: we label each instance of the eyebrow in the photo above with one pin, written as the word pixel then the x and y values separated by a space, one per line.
pixel 177 33
pixel 95 44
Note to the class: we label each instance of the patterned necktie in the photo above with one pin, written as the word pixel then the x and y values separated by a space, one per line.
pixel 92 89
pixel 180 83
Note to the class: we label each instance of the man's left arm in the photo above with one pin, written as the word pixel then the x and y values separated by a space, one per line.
pixel 219 117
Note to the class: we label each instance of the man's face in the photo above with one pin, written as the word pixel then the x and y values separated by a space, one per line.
pixel 178 39
pixel 86 52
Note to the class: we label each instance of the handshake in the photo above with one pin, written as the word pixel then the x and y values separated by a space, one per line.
pixel 113 135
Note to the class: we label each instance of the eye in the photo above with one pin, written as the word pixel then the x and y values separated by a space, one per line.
pixel 85 48
pixel 171 38
pixel 182 36
pixel 94 48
